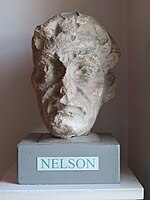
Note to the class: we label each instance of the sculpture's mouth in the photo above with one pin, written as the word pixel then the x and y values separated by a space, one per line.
pixel 70 121
pixel 65 110
pixel 72 111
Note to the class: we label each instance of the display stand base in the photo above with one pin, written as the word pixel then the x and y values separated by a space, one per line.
pixel 94 158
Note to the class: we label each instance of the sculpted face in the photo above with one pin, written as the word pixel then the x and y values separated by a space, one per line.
pixel 73 73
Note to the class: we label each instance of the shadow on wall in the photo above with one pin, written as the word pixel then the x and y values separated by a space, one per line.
pixel 17 101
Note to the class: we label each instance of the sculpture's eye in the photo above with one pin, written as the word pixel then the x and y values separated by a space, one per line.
pixel 84 73
pixel 58 70
pixel 54 71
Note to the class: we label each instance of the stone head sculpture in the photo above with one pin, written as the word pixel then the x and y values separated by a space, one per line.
pixel 73 75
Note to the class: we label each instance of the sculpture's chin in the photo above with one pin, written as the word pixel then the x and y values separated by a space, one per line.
pixel 65 126
pixel 66 135
pixel 62 135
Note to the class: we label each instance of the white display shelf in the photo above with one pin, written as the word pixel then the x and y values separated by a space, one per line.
pixel 129 189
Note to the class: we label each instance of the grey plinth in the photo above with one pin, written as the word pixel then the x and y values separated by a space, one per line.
pixel 94 158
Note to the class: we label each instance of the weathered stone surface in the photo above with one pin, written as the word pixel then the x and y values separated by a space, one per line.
pixel 73 76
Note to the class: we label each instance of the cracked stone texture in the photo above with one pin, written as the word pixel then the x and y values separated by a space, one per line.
pixel 73 75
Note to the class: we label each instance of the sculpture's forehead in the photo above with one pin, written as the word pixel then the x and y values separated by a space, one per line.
pixel 70 20
pixel 74 35
pixel 74 24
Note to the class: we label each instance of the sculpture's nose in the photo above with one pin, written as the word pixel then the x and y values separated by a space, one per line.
pixel 68 86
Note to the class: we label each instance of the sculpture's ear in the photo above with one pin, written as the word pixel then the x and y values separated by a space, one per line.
pixel 114 54
pixel 109 78
pixel 109 85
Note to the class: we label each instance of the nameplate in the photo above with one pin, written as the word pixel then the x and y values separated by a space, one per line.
pixel 67 163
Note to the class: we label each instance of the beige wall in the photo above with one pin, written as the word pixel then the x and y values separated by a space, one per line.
pixel 18 110
pixel 139 90
pixel 127 114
